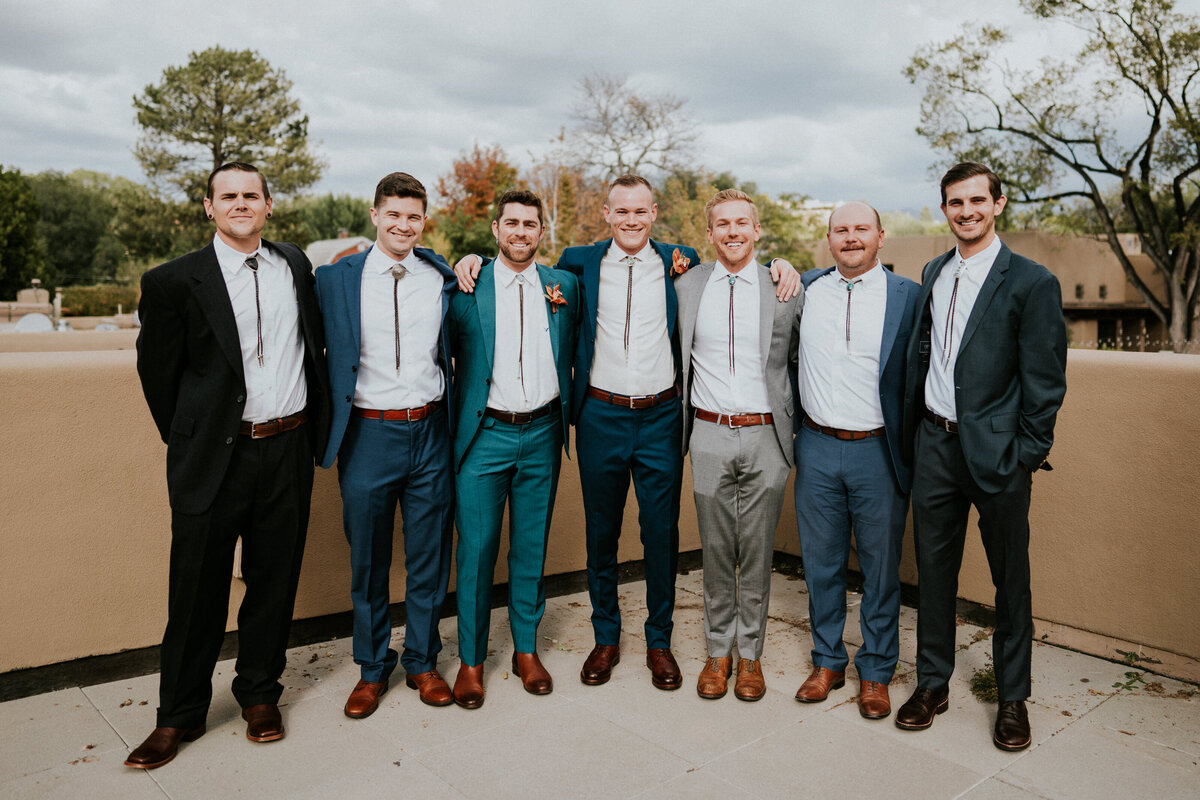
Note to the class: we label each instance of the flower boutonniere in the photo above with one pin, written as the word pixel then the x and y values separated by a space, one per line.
pixel 679 262
pixel 555 297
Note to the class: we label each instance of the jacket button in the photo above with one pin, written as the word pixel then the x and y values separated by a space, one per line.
pixel 488 381
pixel 241 398
pixel 348 398
pixel 354 368
pixel 228 440
pixel 479 413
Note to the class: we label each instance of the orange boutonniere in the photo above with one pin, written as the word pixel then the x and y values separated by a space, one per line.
pixel 679 262
pixel 555 297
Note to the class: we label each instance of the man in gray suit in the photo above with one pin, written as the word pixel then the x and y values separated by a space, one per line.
pixel 986 377
pixel 739 349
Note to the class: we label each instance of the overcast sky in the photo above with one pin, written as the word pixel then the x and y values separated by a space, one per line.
pixel 790 95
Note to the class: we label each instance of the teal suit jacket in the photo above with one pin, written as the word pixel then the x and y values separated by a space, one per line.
pixel 472 325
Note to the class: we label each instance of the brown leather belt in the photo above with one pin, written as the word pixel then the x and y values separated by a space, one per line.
pixel 735 420
pixel 399 414
pixel 949 426
pixel 261 430
pixel 624 401
pixel 845 436
pixel 525 417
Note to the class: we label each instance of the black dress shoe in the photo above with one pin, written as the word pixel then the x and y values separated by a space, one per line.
pixel 597 667
pixel 664 671
pixel 918 712
pixel 1012 726
pixel 161 746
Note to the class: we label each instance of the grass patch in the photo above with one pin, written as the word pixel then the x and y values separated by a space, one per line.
pixel 983 685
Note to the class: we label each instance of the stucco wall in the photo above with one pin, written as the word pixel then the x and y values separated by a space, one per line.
pixel 84 524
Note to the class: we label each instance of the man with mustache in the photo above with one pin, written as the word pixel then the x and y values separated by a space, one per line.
pixel 986 377
pixel 513 342
pixel 739 355
pixel 852 471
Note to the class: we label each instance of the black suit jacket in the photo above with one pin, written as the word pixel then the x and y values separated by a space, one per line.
pixel 190 364
pixel 1010 377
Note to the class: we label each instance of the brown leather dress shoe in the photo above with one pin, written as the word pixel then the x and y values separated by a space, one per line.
pixel 918 711
pixel 750 685
pixel 597 667
pixel 819 684
pixel 161 746
pixel 534 677
pixel 431 686
pixel 263 722
pixel 713 682
pixel 1012 726
pixel 468 686
pixel 873 700
pixel 364 699
pixel 664 671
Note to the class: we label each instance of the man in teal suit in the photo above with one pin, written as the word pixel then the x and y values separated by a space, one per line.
pixel 514 342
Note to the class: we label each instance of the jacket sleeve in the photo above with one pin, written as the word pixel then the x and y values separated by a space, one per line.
pixel 1042 353
pixel 160 351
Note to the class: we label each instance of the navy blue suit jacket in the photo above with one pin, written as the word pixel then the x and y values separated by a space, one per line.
pixel 339 294
pixel 899 319
pixel 584 263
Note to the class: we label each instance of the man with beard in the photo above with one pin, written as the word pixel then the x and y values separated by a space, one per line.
pixel 986 377
pixel 851 467
pixel 513 343
pixel 738 351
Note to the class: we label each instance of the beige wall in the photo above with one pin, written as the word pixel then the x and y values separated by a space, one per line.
pixel 84 524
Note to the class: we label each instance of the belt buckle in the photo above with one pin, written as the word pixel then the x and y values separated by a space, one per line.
pixel 258 430
pixel 945 425
pixel 633 401
pixel 729 421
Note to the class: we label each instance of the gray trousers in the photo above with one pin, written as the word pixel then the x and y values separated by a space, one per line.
pixel 738 477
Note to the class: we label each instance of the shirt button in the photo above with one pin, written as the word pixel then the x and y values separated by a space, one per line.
pixel 228 440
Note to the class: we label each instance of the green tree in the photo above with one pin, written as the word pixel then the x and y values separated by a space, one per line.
pixel 75 226
pixel 223 105
pixel 21 255
pixel 469 192
pixel 1051 131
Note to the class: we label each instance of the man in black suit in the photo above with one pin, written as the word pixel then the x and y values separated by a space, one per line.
pixel 231 359
pixel 986 377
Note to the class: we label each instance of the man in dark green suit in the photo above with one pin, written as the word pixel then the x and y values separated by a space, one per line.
pixel 986 377
pixel 513 341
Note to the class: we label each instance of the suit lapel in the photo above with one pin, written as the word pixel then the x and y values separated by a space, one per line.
pixel 213 297
pixel 485 305
pixel 893 311
pixel 672 298
pixel 591 282
pixel 766 311
pixel 547 280
pixel 352 290
pixel 996 276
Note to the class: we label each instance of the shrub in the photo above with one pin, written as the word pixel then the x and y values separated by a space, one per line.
pixel 98 301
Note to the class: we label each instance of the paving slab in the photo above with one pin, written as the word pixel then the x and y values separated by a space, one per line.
pixel 52 730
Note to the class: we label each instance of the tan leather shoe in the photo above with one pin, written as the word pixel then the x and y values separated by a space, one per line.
pixel 161 746
pixel 468 686
pixel 534 677
pixel 816 687
pixel 364 699
pixel 597 667
pixel 873 700
pixel 664 670
pixel 263 722
pixel 432 687
pixel 713 682
pixel 750 685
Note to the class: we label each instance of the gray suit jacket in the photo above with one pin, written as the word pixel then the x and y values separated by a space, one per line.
pixel 779 337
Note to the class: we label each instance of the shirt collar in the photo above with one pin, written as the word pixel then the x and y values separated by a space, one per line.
pixel 748 273
pixel 868 278
pixel 983 258
pixel 645 254
pixel 381 263
pixel 232 260
pixel 505 277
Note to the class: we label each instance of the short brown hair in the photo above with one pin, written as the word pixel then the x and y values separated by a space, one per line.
pixel 401 184
pixel 971 169
pixel 631 181
pixel 238 166
pixel 522 197
pixel 726 196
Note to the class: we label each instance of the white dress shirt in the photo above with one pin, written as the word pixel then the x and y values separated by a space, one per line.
pixel 729 380
pixel 841 333
pixel 647 367
pixel 419 381
pixel 973 271
pixel 523 373
pixel 275 388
